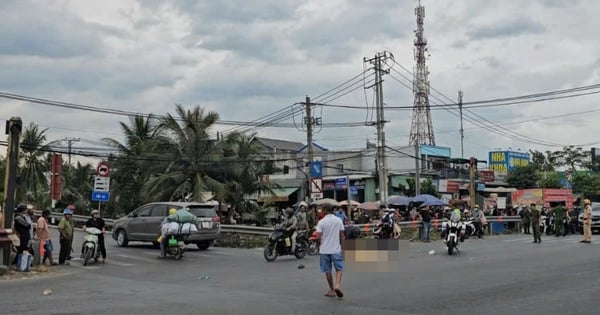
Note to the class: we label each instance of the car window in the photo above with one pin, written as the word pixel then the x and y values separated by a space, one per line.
pixel 160 210
pixel 144 211
pixel 202 211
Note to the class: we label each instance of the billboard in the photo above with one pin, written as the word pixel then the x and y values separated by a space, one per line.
pixel 502 162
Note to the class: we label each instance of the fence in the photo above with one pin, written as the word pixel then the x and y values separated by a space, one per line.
pixel 365 228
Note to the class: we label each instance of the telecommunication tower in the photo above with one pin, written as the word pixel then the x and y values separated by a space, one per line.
pixel 421 129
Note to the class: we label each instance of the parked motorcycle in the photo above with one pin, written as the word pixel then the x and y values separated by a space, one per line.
pixel 452 236
pixel 469 229
pixel 280 244
pixel 90 245
pixel 313 244
pixel 383 231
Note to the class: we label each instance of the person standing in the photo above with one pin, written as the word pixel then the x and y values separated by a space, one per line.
pixel 477 217
pixel 426 218
pixel 65 227
pixel 559 212
pixel 535 223
pixel 97 222
pixel 526 216
pixel 23 228
pixel 587 222
pixel 43 234
pixel 330 231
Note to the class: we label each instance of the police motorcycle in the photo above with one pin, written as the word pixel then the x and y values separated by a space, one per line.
pixel 453 232
pixel 90 245
pixel 469 228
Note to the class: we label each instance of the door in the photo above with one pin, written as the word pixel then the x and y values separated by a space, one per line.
pixel 152 223
pixel 137 222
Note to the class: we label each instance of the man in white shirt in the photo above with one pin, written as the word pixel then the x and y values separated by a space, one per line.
pixel 331 234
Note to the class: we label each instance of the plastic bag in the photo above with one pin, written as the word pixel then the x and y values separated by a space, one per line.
pixel 188 228
pixel 170 228
pixel 183 216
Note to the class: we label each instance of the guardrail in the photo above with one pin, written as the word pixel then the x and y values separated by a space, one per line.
pixel 257 230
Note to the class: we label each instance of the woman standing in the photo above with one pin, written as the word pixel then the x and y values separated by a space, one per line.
pixel 43 234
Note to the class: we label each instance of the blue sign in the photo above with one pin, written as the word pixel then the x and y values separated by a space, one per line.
pixel 480 186
pixel 432 150
pixel 502 162
pixel 316 169
pixel 353 190
pixel 100 196
pixel 340 182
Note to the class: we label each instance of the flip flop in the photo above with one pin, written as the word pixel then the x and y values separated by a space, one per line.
pixel 339 293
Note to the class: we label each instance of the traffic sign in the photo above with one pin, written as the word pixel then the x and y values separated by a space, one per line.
pixel 316 185
pixel 101 183
pixel 316 169
pixel 316 196
pixel 100 196
pixel 340 182
pixel 103 169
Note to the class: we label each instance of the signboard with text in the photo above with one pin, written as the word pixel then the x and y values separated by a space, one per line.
pixel 502 162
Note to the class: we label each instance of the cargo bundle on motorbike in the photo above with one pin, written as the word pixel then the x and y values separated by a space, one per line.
pixel 176 226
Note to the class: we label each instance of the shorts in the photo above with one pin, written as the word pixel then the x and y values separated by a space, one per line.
pixel 337 260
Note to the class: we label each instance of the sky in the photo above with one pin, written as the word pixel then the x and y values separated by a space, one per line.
pixel 249 59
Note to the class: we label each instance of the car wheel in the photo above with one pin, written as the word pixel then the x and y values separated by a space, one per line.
pixel 122 238
pixel 203 245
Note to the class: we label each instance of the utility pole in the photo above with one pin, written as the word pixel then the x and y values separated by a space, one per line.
pixel 381 163
pixel 472 168
pixel 14 126
pixel 70 145
pixel 417 170
pixel 309 142
pixel 462 135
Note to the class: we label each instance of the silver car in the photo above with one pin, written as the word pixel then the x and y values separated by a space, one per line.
pixel 595 218
pixel 143 223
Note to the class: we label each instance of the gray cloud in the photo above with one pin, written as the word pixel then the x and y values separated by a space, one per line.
pixel 506 28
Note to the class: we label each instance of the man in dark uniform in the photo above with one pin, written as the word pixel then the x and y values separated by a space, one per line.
pixel 526 216
pixel 535 223
pixel 559 213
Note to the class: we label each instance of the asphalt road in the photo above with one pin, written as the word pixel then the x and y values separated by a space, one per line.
pixel 497 275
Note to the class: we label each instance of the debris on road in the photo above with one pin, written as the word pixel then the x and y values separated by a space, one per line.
pixel 300 266
pixel 47 292
pixel 204 277
pixel 432 252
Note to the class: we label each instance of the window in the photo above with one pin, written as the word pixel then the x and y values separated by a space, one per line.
pixel 340 168
pixel 160 210
pixel 143 211
pixel 202 211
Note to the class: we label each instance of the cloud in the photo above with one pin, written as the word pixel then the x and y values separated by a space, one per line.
pixel 510 28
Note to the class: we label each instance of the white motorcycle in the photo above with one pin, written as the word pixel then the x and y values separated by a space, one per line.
pixel 469 229
pixel 451 236
pixel 90 245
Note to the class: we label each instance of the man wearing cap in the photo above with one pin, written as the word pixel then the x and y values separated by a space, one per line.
pixel 97 222
pixel 65 227
pixel 587 222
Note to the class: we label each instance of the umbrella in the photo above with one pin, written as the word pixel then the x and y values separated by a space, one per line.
pixel 370 205
pixel 352 203
pixel 428 200
pixel 397 200
pixel 433 203
pixel 329 201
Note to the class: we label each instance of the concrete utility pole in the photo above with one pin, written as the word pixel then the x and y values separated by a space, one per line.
pixel 462 135
pixel 14 126
pixel 381 163
pixel 70 145
pixel 472 168
pixel 309 142
pixel 417 170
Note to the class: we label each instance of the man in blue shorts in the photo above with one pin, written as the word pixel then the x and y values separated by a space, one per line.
pixel 331 234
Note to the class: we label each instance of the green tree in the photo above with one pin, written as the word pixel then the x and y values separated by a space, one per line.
pixel 549 180
pixel 574 157
pixel 586 184
pixel 523 177
pixel 427 188
pixel 33 167
pixel 77 187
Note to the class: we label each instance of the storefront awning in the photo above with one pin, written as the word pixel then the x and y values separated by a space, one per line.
pixel 280 194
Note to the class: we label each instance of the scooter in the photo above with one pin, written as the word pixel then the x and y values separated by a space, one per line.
pixel 90 245
pixel 469 228
pixel 280 244
pixel 175 246
pixel 313 244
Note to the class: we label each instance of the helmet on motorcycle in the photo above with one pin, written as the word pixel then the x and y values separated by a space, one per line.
pixel 172 211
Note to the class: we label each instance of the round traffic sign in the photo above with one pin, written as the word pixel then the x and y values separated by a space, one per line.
pixel 103 169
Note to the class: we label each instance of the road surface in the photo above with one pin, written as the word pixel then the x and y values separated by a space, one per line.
pixel 505 274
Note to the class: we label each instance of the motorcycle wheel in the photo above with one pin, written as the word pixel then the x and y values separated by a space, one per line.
pixel 300 250
pixel 450 245
pixel 179 253
pixel 313 248
pixel 87 254
pixel 270 253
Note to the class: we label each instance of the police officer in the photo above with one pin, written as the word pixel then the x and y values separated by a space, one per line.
pixel 587 222
pixel 526 216
pixel 559 213
pixel 535 223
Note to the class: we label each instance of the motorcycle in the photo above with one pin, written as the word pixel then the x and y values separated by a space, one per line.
pixel 313 244
pixel 469 229
pixel 280 244
pixel 451 236
pixel 175 246
pixel 90 245
pixel 383 231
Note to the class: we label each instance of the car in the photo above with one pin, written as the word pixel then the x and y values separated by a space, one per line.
pixel 595 219
pixel 143 224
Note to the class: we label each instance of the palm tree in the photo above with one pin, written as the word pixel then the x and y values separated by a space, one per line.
pixel 34 166
pixel 185 157
pixel 129 173
pixel 78 186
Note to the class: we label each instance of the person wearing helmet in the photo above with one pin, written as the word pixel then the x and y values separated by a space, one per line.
pixel 290 224
pixel 587 222
pixel 97 222
pixel 65 227
pixel 22 227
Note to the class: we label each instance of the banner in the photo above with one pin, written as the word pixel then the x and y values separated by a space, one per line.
pixel 502 162
pixel 527 197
